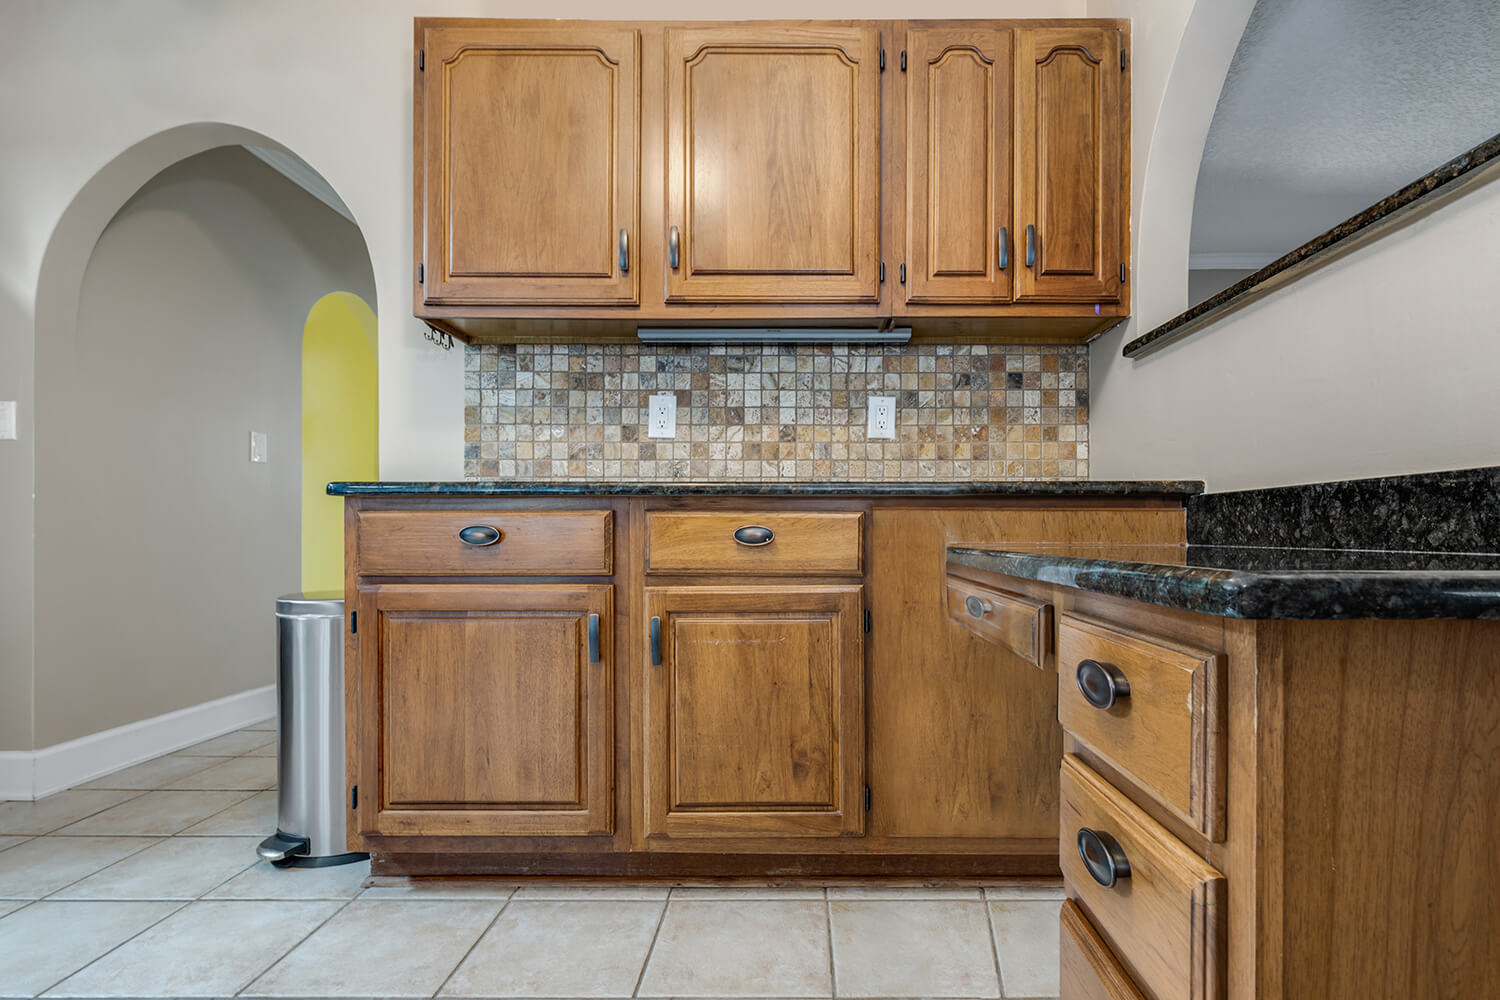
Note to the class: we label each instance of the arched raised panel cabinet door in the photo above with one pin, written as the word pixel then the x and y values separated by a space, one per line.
pixel 485 710
pixel 1071 183
pixel 960 240
pixel 528 165
pixel 755 712
pixel 773 150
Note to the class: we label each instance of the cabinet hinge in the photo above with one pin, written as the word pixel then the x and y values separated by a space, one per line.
pixel 903 60
pixel 1122 60
pixel 354 797
pixel 354 623
pixel 882 60
pixel 867 619
pixel 1123 273
pixel 882 272
pixel 867 798
pixel 903 274
pixel 421 274
pixel 421 60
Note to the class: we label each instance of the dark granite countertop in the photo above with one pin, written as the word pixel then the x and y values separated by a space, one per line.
pixel 1174 489
pixel 1267 583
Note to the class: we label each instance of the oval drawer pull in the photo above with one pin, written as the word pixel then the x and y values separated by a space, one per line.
pixel 976 607
pixel 1102 684
pixel 479 535
pixel 1103 857
pixel 754 534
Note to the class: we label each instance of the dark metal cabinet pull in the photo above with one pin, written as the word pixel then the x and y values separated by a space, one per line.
pixel 1102 684
pixel 673 242
pixel 624 251
pixel 593 638
pixel 479 535
pixel 754 534
pixel 1002 249
pixel 655 641
pixel 1031 246
pixel 1103 857
pixel 977 608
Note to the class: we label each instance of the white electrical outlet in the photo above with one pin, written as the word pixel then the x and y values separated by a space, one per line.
pixel 662 421
pixel 8 420
pixel 257 446
pixel 882 418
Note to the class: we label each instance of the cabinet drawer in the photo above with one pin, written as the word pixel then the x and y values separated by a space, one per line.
pixel 1090 970
pixel 756 542
pixel 1018 623
pixel 1152 709
pixel 1163 915
pixel 525 543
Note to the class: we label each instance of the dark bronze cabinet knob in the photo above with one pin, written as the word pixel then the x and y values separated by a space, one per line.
pixel 1103 857
pixel 1102 684
pixel 479 534
pixel 754 534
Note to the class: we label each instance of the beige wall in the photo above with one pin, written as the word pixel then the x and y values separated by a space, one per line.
pixel 160 546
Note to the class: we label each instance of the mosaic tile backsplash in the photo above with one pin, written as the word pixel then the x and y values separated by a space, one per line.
pixel 775 412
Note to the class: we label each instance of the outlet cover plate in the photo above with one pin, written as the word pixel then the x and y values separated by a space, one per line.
pixel 662 419
pixel 881 420
pixel 8 420
pixel 257 446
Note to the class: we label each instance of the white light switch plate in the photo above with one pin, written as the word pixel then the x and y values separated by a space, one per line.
pixel 8 420
pixel 662 421
pixel 882 418
pixel 257 446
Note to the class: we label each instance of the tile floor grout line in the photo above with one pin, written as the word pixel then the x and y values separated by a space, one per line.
pixel 989 919
pixel 459 964
pixel 165 916
pixel 833 970
pixel 297 944
pixel 154 838
pixel 651 948
pixel 54 831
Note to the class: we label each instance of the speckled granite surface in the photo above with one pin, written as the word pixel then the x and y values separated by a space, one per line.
pixel 1265 583
pixel 1172 489
pixel 1438 511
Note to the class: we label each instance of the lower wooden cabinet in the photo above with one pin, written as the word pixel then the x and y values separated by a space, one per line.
pixel 755 711
pixel 494 709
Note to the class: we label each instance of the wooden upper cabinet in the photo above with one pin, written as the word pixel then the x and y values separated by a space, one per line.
pixel 527 155
pixel 493 706
pixel 773 151
pixel 755 712
pixel 960 245
pixel 1071 193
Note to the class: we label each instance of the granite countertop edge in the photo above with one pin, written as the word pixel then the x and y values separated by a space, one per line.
pixel 1170 488
pixel 1264 594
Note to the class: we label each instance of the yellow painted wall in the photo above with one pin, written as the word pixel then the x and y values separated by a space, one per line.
pixel 340 427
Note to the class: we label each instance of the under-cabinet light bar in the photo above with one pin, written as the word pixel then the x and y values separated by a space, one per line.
pixel 773 335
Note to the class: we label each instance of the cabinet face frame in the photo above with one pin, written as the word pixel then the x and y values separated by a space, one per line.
pixel 608 48
pixel 592 814
pixel 839 605
pixel 855 281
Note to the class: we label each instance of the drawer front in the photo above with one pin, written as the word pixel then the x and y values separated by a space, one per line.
pixel 504 543
pixel 1090 970
pixel 756 542
pixel 1163 918
pixel 1020 624
pixel 1165 726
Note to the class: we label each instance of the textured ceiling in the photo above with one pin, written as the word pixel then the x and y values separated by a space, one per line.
pixel 1330 105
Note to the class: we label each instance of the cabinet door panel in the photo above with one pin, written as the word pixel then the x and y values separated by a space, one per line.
pixel 773 163
pixel 958 164
pixel 492 717
pixel 1072 175
pixel 755 721
pixel 530 157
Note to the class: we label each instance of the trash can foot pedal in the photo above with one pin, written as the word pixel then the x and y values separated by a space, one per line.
pixel 282 848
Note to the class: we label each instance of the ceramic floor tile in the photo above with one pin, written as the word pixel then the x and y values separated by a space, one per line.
pixel 837 892
pixel 12 841
pixel 381 948
pixel 46 815
pixel 157 773
pixel 204 949
pixel 554 948
pixel 9 905
pixel 905 948
pixel 159 813
pixel 248 773
pixel 42 866
pixel 49 941
pixel 255 816
pixel 229 745
pixel 750 948
pixel 178 868
pixel 563 891
pixel 442 888
pixel 263 726
pixel 264 881
pixel 728 892
pixel 1026 939
pixel 998 894
pixel 265 750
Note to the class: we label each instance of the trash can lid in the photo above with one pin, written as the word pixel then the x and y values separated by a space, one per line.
pixel 316 604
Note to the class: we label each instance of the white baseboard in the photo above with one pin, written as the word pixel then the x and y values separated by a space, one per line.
pixel 31 774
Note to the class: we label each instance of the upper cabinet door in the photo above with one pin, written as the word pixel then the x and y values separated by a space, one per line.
pixel 773 150
pixel 1070 110
pixel 528 165
pixel 958 165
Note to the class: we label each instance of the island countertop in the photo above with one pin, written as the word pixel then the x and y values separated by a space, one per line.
pixel 1167 489
pixel 1262 583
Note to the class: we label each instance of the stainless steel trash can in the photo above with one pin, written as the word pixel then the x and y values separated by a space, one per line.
pixel 310 750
